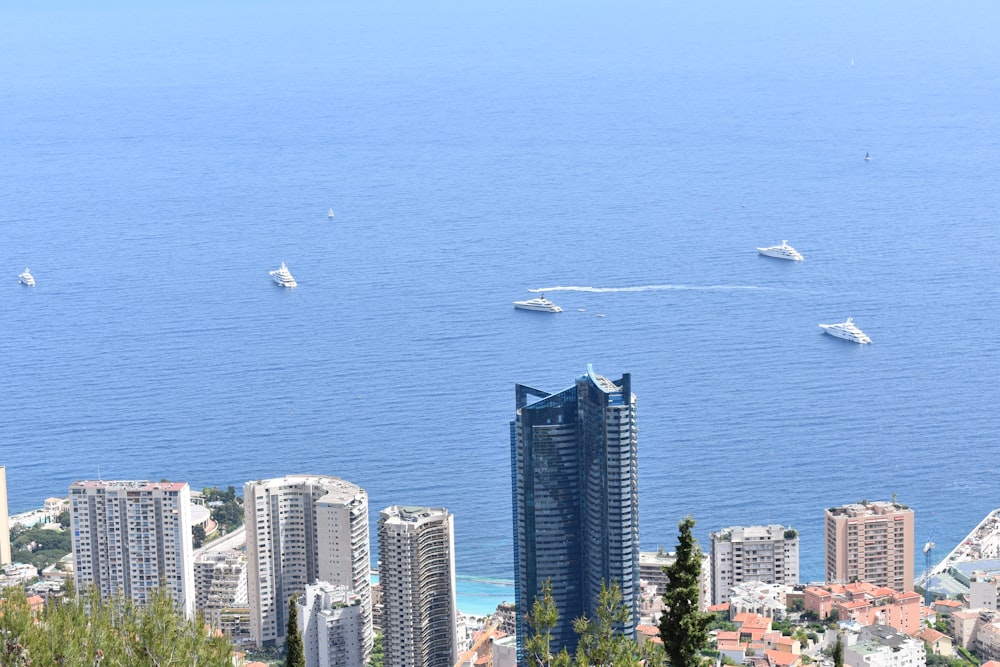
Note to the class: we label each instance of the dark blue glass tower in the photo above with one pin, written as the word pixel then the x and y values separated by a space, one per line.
pixel 574 482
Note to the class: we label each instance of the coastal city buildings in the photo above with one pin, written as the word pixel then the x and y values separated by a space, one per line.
pixel 301 529
pixel 881 646
pixel 870 542
pixel 575 498
pixel 332 625
pixel 760 598
pixel 131 537
pixel 755 553
pixel 866 604
pixel 4 518
pixel 220 582
pixel 417 576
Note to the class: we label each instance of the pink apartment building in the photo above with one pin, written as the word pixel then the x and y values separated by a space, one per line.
pixel 866 604
pixel 870 542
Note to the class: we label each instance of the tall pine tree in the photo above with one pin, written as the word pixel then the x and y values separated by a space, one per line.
pixel 838 653
pixel 294 654
pixel 542 619
pixel 683 628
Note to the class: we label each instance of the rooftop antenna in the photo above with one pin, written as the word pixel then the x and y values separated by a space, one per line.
pixel 98 472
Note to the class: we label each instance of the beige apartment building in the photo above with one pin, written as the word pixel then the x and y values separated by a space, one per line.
pixel 417 574
pixel 870 542
pixel 302 529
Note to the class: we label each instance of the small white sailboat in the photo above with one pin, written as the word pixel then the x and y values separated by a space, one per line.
pixel 330 214
pixel 867 156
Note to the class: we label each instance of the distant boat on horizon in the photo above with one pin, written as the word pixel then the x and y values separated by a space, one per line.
pixel 26 278
pixel 783 251
pixel 540 304
pixel 867 156
pixel 846 330
pixel 282 276
pixel 330 214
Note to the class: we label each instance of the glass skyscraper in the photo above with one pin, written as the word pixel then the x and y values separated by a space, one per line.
pixel 576 500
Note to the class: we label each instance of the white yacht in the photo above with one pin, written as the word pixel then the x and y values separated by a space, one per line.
pixel 540 303
pixel 783 251
pixel 846 330
pixel 26 278
pixel 284 277
pixel 330 214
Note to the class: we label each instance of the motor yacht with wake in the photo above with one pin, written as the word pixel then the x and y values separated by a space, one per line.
pixel 539 303
pixel 847 330
pixel 26 278
pixel 783 251
pixel 283 277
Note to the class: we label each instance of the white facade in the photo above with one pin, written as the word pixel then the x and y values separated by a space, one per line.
pixel 756 597
pixel 871 653
pixel 4 519
pixel 755 553
pixel 220 582
pixel 332 626
pixel 301 529
pixel 505 652
pixel 984 592
pixel 131 536
pixel 417 575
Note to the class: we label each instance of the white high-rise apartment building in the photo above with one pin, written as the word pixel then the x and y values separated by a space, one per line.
pixel 332 626
pixel 220 582
pixel 4 519
pixel 302 529
pixel 755 553
pixel 130 537
pixel 417 576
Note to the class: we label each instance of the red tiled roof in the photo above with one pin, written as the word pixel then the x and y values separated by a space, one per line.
pixel 930 635
pixel 715 608
pixel 781 658
pixel 853 604
pixel 946 603
pixel 650 630
pixel 746 621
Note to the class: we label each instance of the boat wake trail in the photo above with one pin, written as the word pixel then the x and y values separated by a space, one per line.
pixel 650 288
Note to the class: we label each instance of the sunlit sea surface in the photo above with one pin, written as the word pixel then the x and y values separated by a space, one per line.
pixel 625 159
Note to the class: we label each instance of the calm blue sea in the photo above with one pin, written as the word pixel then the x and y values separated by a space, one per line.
pixel 156 163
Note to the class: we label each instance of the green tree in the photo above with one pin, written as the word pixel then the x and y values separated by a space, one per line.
pixel 602 641
pixel 197 536
pixel 838 653
pixel 378 651
pixel 83 631
pixel 294 654
pixel 683 628
pixel 543 618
